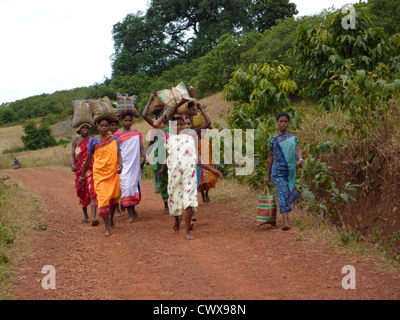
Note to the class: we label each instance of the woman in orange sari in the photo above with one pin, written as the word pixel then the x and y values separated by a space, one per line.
pixel 208 180
pixel 85 193
pixel 107 165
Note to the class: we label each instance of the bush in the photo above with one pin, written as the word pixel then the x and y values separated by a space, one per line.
pixel 37 138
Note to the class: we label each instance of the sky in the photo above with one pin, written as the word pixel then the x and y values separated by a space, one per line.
pixel 53 45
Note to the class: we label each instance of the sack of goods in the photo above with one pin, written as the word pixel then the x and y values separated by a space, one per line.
pixel 126 105
pixel 156 105
pixel 188 107
pixel 198 119
pixel 175 97
pixel 82 113
pixel 102 108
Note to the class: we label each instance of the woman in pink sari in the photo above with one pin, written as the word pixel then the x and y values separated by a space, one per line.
pixel 132 149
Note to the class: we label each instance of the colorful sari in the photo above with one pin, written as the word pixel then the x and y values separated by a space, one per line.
pixel 85 193
pixel 284 168
pixel 106 179
pixel 182 176
pixel 131 172
pixel 208 180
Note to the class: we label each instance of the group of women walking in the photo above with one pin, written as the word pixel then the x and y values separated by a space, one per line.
pixel 108 167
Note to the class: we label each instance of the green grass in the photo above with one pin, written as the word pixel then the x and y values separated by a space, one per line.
pixel 17 219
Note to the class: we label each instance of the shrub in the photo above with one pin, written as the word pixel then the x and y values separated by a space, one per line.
pixel 37 138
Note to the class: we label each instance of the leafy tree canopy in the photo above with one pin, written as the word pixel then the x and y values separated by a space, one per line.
pixel 387 13
pixel 177 31
pixel 327 49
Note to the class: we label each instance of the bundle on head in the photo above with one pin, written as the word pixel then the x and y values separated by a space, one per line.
pixel 126 105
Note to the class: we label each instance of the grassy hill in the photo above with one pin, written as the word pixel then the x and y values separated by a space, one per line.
pixel 10 137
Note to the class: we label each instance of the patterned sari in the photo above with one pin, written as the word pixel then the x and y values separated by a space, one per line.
pixel 85 193
pixel 105 167
pixel 182 176
pixel 284 168
pixel 131 173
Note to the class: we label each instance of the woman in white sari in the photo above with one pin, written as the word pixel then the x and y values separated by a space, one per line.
pixel 132 149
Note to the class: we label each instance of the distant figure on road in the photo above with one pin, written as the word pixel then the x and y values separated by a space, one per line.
pixel 16 164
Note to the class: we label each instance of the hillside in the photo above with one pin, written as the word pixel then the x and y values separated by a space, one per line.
pixel 60 155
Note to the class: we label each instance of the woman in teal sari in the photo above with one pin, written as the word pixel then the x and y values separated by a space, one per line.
pixel 283 159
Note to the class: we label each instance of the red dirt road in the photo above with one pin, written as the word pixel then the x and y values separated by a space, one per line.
pixel 230 258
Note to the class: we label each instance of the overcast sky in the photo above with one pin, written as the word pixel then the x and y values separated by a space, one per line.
pixel 51 45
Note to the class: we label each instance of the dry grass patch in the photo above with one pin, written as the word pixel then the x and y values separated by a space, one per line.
pixel 236 195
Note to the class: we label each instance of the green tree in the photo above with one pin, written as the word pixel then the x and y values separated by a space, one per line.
pixel 387 13
pixel 327 49
pixel 216 67
pixel 261 90
pixel 37 138
pixel 6 115
pixel 177 31
pixel 265 14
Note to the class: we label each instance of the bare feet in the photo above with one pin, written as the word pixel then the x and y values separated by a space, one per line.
pixel 130 220
pixel 177 224
pixel 166 211
pixel 107 233
pixel 189 236
pixel 285 227
pixel 176 227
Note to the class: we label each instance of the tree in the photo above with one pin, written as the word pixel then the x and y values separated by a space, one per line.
pixel 177 31
pixel 6 115
pixel 387 13
pixel 37 138
pixel 265 14
pixel 327 49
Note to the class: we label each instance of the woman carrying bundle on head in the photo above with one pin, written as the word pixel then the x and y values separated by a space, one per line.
pixel 107 165
pixel 158 141
pixel 85 192
pixel 131 142
pixel 283 158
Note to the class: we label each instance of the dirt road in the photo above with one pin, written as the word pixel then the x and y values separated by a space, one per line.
pixel 230 258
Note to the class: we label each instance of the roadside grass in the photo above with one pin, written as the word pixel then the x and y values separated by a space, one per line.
pixel 346 241
pixel 244 199
pixel 17 221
